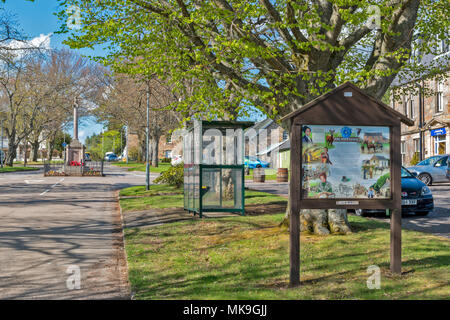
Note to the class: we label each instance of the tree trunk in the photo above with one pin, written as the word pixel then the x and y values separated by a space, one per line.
pixel 320 221
pixel 35 146
pixel 12 149
pixel 51 147
pixel 154 147
pixel 25 155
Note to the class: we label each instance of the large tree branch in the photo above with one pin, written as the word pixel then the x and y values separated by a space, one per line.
pixel 399 38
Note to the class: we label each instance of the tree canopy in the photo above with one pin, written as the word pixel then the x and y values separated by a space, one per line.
pixel 272 54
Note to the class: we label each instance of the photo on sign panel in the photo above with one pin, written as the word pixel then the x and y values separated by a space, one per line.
pixel 345 162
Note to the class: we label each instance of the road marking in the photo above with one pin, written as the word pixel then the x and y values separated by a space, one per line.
pixel 30 181
pixel 48 190
pixel 138 175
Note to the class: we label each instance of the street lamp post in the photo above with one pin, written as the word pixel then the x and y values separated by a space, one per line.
pixel 421 119
pixel 147 167
pixel 127 146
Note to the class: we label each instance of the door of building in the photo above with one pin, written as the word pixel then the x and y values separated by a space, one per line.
pixel 439 144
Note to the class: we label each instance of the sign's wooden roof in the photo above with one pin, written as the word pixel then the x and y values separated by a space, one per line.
pixel 348 103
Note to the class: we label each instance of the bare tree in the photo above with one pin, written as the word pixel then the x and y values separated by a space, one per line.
pixel 125 103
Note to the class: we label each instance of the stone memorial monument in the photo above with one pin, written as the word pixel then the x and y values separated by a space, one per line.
pixel 75 150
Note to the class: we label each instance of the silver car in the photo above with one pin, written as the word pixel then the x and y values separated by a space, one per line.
pixel 433 169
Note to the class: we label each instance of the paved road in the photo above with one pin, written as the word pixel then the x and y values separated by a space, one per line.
pixel 51 224
pixel 437 222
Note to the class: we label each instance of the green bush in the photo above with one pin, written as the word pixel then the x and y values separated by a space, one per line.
pixel 166 160
pixel 174 176
pixel 133 153
pixel 415 159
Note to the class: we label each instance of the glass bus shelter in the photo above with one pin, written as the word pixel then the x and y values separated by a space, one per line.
pixel 214 167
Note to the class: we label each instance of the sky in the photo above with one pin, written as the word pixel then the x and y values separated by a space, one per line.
pixel 37 20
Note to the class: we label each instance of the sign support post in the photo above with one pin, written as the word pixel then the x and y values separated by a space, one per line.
pixel 396 241
pixel 294 198
pixel 396 213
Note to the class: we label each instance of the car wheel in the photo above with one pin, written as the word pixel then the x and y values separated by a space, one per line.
pixel 258 166
pixel 422 213
pixel 425 178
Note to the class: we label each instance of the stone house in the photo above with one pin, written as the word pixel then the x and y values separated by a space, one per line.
pixel 167 146
pixel 431 114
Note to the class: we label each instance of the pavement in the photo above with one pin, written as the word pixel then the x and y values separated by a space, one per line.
pixel 436 222
pixel 55 231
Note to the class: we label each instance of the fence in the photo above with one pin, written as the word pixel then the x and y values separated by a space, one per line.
pixel 90 168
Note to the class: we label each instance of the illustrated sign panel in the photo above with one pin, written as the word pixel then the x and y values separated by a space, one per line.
pixel 346 162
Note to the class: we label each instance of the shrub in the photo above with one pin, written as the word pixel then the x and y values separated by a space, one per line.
pixel 415 159
pixel 174 176
pixel 166 160
pixel 133 153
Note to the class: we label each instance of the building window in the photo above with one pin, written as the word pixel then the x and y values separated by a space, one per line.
pixel 169 138
pixel 412 110
pixel 285 135
pixel 405 108
pixel 440 97
pixel 168 154
pixel 443 45
pixel 439 144
pixel 416 145
pixel 403 151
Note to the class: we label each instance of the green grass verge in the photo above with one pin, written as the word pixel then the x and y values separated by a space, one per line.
pixel 248 258
pixel 270 175
pixel 155 189
pixel 133 166
pixel 163 196
pixel 32 163
pixel 14 169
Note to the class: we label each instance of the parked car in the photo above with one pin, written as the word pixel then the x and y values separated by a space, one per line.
pixel 111 157
pixel 177 159
pixel 254 162
pixel 416 197
pixel 433 169
pixel 448 168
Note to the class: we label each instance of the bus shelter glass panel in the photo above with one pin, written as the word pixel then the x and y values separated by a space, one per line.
pixel 214 167
pixel 222 188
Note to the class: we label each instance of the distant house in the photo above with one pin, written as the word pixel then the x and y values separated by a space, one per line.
pixel 264 140
pixel 167 147
pixel 284 154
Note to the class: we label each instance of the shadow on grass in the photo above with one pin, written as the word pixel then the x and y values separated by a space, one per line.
pixel 367 224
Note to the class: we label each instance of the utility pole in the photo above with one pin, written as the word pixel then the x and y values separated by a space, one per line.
pixel 147 167
pixel 127 146
pixel 103 151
